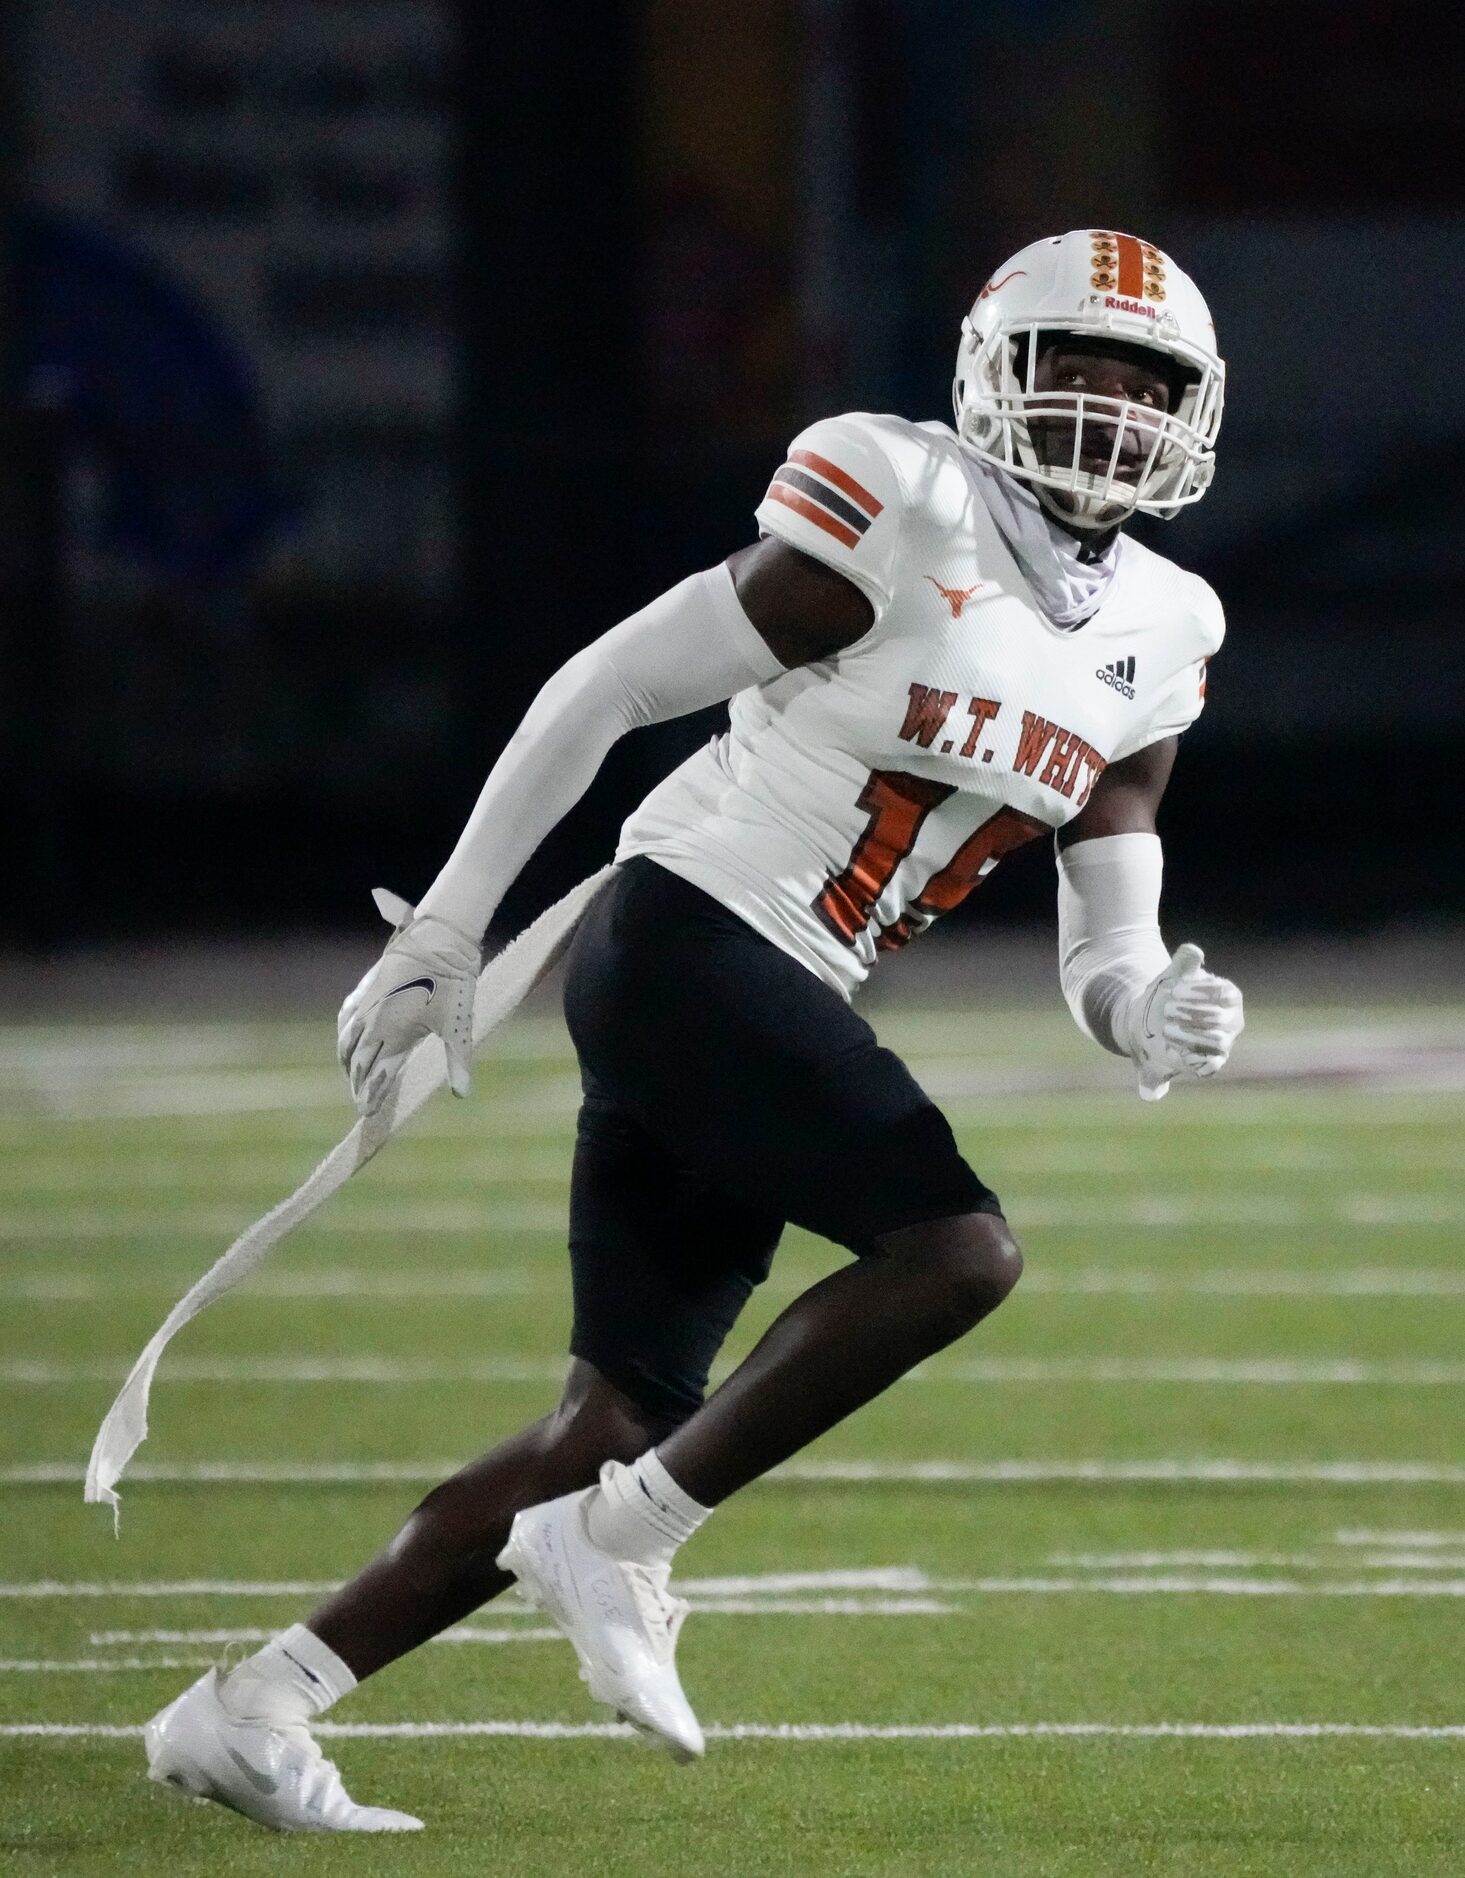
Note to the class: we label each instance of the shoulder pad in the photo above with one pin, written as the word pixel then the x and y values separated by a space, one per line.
pixel 1207 620
pixel 1193 626
pixel 838 497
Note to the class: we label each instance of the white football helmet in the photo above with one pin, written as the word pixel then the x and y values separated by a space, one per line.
pixel 1091 284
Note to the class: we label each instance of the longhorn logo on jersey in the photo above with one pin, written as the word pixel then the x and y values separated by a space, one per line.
pixel 955 597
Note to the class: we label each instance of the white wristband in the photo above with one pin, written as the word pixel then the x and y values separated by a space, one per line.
pixel 1109 946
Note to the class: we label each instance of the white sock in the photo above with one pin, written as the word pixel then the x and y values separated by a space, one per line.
pixel 640 1513
pixel 291 1679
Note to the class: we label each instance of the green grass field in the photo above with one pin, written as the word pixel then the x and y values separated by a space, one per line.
pixel 1160 1572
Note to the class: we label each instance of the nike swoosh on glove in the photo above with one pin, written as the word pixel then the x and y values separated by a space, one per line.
pixel 422 986
pixel 1186 1023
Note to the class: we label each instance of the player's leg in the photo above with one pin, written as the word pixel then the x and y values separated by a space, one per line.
pixel 750 1068
pixel 743 1063
pixel 660 1270
pixel 440 1567
pixel 842 1343
pixel 244 1739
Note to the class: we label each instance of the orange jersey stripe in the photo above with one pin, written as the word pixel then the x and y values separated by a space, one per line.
pixel 811 512
pixel 1131 267
pixel 833 473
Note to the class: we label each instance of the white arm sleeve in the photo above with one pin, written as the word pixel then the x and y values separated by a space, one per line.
pixel 1109 946
pixel 692 647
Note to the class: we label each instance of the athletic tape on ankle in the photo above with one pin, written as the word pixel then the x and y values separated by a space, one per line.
pixel 503 985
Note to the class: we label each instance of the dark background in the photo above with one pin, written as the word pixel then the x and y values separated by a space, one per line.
pixel 366 360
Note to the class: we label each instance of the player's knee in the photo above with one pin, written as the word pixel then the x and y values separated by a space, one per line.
pixel 602 1422
pixel 973 1261
pixel 982 1263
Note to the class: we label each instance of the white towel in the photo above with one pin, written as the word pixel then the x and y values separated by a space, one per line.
pixel 503 984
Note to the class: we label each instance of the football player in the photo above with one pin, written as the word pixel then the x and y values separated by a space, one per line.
pixel 941 646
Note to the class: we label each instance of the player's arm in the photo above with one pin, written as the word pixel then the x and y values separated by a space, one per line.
pixel 832 513
pixel 803 610
pixel 692 647
pixel 1125 988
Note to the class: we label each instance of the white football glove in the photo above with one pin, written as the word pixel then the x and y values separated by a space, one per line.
pixel 1185 1023
pixel 421 986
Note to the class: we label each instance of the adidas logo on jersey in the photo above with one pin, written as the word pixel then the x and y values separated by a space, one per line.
pixel 1119 675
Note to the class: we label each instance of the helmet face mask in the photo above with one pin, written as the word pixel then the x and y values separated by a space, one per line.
pixel 1092 460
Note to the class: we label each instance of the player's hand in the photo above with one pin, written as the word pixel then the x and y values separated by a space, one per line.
pixel 1186 1023
pixel 421 986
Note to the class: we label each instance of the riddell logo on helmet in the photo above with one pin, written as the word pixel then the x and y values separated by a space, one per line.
pixel 1121 305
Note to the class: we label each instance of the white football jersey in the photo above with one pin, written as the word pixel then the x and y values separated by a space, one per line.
pixel 853 801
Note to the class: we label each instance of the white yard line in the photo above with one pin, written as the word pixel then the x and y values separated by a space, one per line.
pixel 475 1633
pixel 409 1219
pixel 1383 1281
pixel 821 1607
pixel 1370 1536
pixel 524 1633
pixel 1269 1372
pixel 62 1091
pixel 893 1578
pixel 87 1054
pixel 1182 1585
pixel 250 1633
pixel 857 1578
pixel 102 1179
pixel 171 1588
pixel 1106 1472
pixel 334 1371
pixel 245 1633
pixel 93 1665
pixel 234 1092
pixel 106 1166
pixel 85 1051
pixel 1120 1473
pixel 1421 1561
pixel 769 1596
pixel 332 1281
pixel 245 1091
pixel 1076 1561
pixel 820 1731
pixel 1200 1372
pixel 394 1217
pixel 1218 1108
pixel 412 1282
pixel 531 1115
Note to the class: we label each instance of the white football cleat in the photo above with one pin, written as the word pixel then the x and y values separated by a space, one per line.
pixel 619 1615
pixel 275 1774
